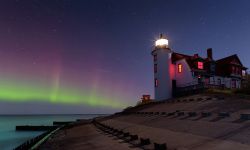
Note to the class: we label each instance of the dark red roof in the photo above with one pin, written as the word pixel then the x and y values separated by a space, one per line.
pixel 178 56
pixel 232 60
pixel 191 60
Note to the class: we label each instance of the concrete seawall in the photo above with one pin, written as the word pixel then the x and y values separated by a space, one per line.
pixel 215 123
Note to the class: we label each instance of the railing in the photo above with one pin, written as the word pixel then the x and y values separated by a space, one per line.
pixel 195 87
pixel 188 84
pixel 191 89
pixel 215 86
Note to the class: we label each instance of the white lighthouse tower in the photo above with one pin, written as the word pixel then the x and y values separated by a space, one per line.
pixel 162 69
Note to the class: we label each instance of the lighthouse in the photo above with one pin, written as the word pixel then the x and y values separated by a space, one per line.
pixel 162 69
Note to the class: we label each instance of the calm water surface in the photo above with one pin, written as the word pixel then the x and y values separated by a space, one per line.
pixel 9 138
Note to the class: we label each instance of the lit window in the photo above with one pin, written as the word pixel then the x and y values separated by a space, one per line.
pixel 200 65
pixel 155 68
pixel 243 73
pixel 179 68
pixel 155 57
pixel 156 83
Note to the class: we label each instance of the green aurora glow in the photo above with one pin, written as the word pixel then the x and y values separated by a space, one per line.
pixel 13 91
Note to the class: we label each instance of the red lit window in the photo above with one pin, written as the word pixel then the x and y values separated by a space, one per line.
pixel 156 83
pixel 155 68
pixel 155 57
pixel 200 65
pixel 179 68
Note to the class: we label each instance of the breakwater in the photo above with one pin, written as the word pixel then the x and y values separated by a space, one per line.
pixel 34 128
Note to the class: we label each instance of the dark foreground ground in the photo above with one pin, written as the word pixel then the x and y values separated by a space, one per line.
pixel 179 131
pixel 85 137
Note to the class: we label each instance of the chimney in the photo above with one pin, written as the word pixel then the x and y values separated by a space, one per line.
pixel 196 55
pixel 210 53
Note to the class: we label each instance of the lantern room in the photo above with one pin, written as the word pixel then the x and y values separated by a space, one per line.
pixel 162 42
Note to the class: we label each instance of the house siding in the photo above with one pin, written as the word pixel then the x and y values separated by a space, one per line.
pixel 185 77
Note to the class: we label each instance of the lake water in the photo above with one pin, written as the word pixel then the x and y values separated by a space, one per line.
pixel 9 138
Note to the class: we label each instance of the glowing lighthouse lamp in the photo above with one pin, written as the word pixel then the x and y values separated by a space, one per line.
pixel 162 42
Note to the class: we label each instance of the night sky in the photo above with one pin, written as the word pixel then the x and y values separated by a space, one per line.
pixel 93 56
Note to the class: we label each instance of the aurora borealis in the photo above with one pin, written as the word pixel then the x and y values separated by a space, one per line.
pixel 11 91
pixel 88 56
